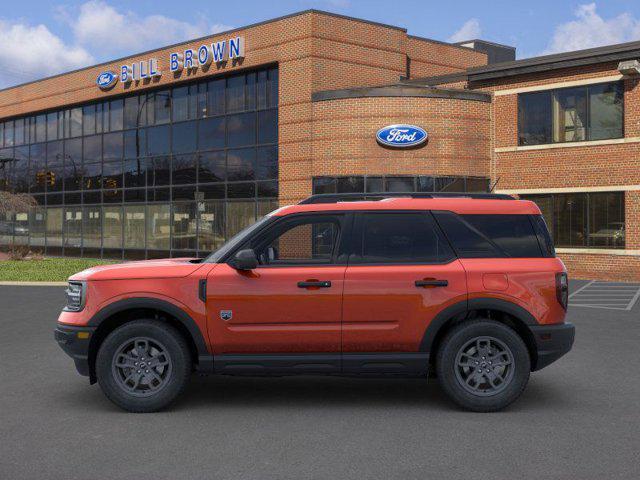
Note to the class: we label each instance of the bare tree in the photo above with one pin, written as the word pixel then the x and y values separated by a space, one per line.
pixel 15 202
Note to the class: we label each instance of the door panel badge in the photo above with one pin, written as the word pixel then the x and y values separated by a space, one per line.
pixel 226 315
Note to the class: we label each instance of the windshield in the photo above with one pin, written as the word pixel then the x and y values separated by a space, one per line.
pixel 236 240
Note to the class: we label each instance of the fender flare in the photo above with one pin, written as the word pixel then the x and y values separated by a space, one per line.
pixel 155 304
pixel 464 307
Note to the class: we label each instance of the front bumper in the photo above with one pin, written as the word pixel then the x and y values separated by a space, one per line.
pixel 552 342
pixel 75 343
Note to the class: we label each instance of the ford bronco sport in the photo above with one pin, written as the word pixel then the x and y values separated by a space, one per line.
pixel 466 287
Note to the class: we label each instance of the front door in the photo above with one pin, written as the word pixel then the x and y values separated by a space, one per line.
pixel 290 304
pixel 401 273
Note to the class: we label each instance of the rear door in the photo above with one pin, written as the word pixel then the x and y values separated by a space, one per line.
pixel 401 273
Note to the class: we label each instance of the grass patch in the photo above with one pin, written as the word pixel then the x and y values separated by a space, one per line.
pixel 46 270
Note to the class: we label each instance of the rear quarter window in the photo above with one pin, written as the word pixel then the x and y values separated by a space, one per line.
pixel 487 236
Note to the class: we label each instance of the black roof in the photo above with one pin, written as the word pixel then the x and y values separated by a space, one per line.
pixel 355 197
pixel 589 56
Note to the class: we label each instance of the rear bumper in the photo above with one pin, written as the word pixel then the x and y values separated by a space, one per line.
pixel 75 343
pixel 552 342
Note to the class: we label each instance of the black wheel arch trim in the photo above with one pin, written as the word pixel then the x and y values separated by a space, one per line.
pixel 465 306
pixel 155 304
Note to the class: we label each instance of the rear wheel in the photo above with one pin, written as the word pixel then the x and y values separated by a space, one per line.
pixel 143 365
pixel 483 365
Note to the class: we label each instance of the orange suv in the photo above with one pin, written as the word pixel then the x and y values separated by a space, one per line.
pixel 466 287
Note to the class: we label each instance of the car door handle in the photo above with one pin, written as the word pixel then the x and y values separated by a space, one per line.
pixel 314 284
pixel 432 283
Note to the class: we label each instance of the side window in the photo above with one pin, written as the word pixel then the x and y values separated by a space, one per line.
pixel 302 241
pixel 491 236
pixel 514 234
pixel 400 238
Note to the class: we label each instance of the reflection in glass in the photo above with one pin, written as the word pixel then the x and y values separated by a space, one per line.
pixel 158 226
pixel 184 226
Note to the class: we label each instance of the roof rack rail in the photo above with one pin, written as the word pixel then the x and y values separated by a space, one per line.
pixel 355 197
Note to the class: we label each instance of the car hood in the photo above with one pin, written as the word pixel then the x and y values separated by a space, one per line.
pixel 165 268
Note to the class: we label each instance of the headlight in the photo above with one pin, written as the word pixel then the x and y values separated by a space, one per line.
pixel 76 295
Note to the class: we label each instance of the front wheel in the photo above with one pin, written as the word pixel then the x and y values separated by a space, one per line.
pixel 143 365
pixel 483 365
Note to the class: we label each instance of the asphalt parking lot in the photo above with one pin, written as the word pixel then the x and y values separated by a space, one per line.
pixel 578 419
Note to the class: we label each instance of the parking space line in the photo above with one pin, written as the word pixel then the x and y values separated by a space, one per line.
pixel 582 288
pixel 611 296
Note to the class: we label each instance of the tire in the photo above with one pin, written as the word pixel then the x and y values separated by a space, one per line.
pixel 140 383
pixel 502 360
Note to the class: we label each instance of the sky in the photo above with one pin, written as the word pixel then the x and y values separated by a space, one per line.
pixel 39 38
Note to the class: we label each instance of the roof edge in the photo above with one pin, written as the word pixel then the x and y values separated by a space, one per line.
pixel 400 90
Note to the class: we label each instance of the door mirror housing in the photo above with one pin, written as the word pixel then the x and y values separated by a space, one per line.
pixel 244 260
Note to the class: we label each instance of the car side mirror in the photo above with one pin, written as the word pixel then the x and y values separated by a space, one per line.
pixel 244 260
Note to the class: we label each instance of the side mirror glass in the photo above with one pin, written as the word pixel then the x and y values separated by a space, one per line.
pixel 244 260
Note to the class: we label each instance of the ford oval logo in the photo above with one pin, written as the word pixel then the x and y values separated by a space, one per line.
pixel 401 136
pixel 106 80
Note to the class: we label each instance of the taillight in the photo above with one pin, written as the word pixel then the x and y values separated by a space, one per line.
pixel 562 289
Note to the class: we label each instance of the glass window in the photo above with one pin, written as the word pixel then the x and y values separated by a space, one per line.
pixel 184 226
pixel 467 240
pixel 273 88
pixel 37 226
pixel 570 115
pixel 73 227
pixel 92 227
pixel 130 115
pixel 158 226
pixel 112 227
pixel 54 227
pixel 239 215
pixel 21 169
pixel 134 173
pixel 19 132
pixel 6 229
pixel 250 91
pixel 241 164
pixel 55 172
pixel 37 168
pixel 41 128
pixel 534 118
pixel 134 226
pixel 606 111
pixel 89 124
pixel 449 184
pixel 112 146
pixel 399 184
pixel 180 104
pixel 184 169
pixel 184 137
pixel 350 184
pixel 268 126
pixel 92 176
pixel 211 133
pixel 594 220
pixel 162 106
pixel 261 89
pixel 158 171
pixel 135 143
pixel 116 115
pixel 158 140
pixel 92 149
pixel 241 129
pixel 75 122
pixel 210 225
pixel 102 120
pixel 241 190
pixel 211 167
pixel 591 112
pixel 215 97
pixel 401 238
pixel 268 189
pixel 235 93
pixel 8 134
pixel 324 185
pixel 267 163
pixel 513 234
pixel 112 175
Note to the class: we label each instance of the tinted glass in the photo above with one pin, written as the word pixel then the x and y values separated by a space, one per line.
pixel 513 234
pixel 241 129
pixel 534 118
pixel 211 133
pixel 158 140
pixel 467 241
pixel 184 137
pixel 606 111
pixel 400 238
pixel 570 115
pixel 211 167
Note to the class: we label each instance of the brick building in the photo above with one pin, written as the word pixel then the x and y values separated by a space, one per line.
pixel 171 151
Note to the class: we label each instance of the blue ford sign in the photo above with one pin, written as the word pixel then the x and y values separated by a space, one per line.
pixel 401 136
pixel 106 80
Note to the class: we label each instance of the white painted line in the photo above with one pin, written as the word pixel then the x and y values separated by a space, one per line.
pixel 597 306
pixel 582 288
pixel 634 300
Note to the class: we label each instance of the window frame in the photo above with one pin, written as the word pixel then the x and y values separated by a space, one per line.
pixel 357 235
pixel 552 92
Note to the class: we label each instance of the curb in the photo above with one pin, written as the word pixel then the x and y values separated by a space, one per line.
pixel 34 284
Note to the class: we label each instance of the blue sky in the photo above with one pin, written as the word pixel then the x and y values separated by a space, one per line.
pixel 43 37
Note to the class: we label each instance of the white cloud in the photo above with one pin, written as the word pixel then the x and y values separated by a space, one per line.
pixel 469 31
pixel 591 30
pixel 29 52
pixel 107 31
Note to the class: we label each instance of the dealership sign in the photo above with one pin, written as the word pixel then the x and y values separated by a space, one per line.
pixel 189 59
pixel 106 80
pixel 401 136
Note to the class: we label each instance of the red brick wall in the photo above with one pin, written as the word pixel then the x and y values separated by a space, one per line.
pixel 429 58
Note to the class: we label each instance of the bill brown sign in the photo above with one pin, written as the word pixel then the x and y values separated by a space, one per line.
pixel 189 59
